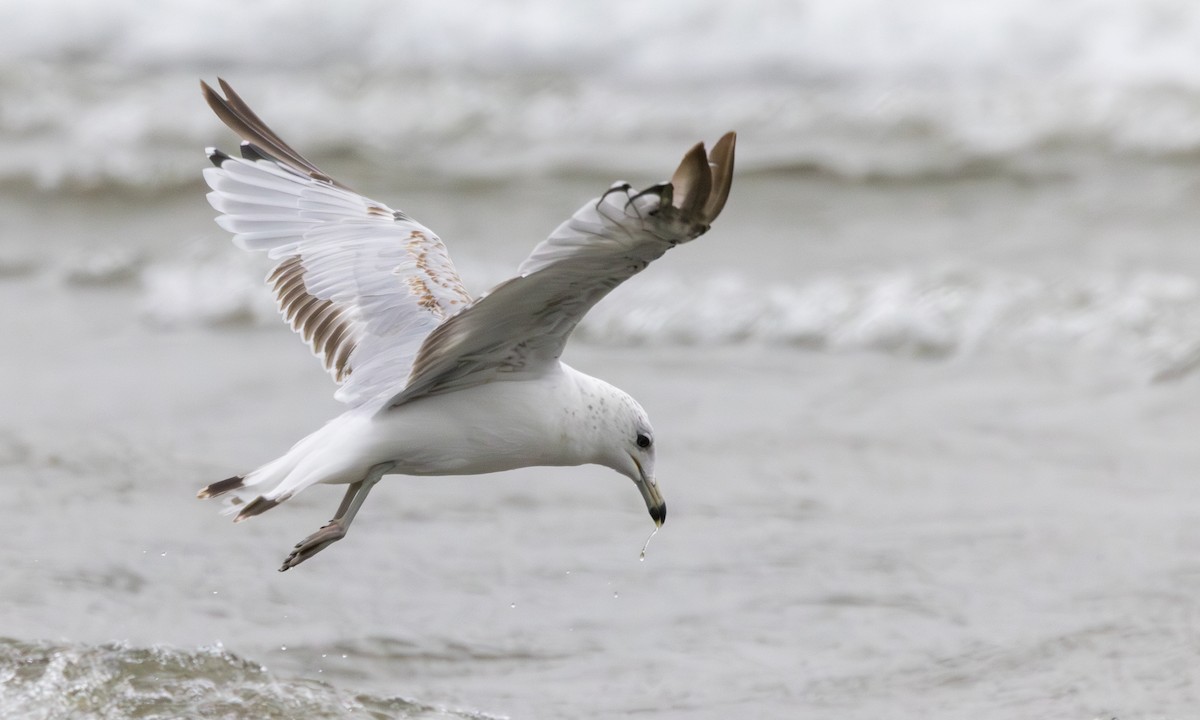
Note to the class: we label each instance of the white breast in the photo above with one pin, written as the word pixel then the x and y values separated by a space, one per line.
pixel 488 428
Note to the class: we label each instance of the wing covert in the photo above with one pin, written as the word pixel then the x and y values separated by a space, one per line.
pixel 522 325
pixel 361 283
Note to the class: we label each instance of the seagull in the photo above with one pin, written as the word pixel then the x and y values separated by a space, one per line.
pixel 438 382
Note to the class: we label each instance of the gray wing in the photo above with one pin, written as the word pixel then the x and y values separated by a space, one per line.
pixel 363 284
pixel 521 325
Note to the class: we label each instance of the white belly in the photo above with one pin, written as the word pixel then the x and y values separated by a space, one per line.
pixel 488 428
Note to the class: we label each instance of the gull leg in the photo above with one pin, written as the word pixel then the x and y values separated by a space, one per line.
pixel 336 528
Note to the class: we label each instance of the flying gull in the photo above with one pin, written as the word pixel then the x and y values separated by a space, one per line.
pixel 438 383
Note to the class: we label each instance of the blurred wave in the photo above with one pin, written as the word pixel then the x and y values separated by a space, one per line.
pixel 57 680
pixel 1146 320
pixel 856 88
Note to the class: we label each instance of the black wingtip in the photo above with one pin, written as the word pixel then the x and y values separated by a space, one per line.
pixel 257 506
pixel 237 116
pixel 252 152
pixel 216 157
pixel 221 487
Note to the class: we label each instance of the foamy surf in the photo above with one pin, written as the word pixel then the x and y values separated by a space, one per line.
pixel 844 88
pixel 1146 322
pixel 60 680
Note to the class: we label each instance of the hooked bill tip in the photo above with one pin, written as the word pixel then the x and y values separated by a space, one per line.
pixel 658 514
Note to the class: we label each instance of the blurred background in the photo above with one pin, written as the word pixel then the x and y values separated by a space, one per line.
pixel 949 165
pixel 104 96
pixel 925 395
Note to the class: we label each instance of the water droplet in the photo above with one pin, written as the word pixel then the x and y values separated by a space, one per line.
pixel 616 594
pixel 215 592
pixel 513 606
pixel 283 647
pixel 645 545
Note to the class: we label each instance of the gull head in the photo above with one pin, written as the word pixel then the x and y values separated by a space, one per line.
pixel 640 451
pixel 622 439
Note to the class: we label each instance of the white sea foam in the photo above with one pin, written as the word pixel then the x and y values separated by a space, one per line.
pixel 1147 322
pixel 856 88
pixel 214 291
pixel 48 680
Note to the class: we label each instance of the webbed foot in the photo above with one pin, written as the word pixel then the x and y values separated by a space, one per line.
pixel 330 533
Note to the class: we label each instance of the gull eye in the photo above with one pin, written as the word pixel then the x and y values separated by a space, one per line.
pixel 643 440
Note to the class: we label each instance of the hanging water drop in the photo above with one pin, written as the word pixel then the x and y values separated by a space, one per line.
pixel 642 558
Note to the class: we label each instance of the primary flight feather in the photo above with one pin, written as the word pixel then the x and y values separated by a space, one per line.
pixel 439 383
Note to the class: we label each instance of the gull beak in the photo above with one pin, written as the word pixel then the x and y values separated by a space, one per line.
pixel 651 494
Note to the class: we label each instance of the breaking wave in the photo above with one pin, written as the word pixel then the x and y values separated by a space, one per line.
pixel 1148 320
pixel 858 89
pixel 59 680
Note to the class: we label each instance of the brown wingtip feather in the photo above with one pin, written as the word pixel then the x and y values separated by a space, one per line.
pixel 237 115
pixel 221 487
pixel 720 162
pixel 701 183
pixel 258 506
pixel 692 181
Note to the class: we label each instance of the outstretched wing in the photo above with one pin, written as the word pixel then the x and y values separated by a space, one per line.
pixel 362 283
pixel 521 325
